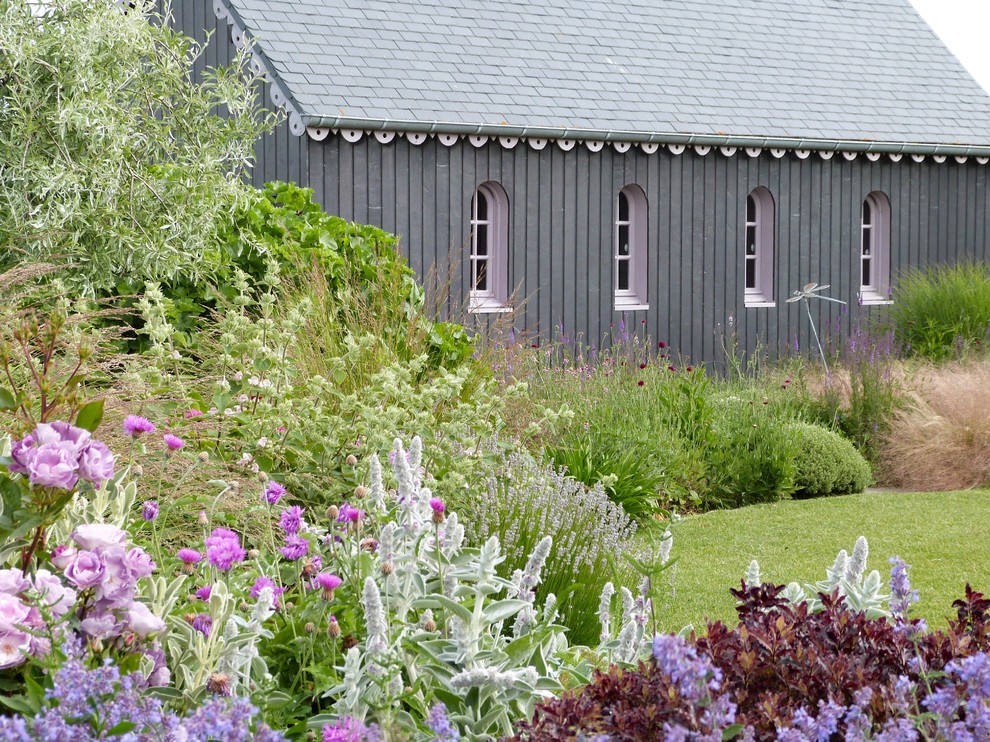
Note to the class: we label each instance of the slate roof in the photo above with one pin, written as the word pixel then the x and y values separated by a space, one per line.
pixel 832 69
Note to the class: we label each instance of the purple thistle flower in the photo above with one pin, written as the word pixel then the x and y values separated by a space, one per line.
pixel 223 549
pixel 190 556
pixel 349 729
pixel 295 547
pixel 203 593
pixel 173 442
pixel 274 491
pixel 349 514
pixel 135 425
pixel 438 508
pixel 328 583
pixel 203 623
pixel 260 584
pixel 291 519
pixel 149 510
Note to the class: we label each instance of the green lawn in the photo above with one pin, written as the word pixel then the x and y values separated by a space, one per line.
pixel 944 536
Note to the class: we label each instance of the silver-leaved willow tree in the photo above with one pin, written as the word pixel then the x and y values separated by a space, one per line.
pixel 113 158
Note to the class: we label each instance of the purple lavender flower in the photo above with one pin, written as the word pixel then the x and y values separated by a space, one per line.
pixel 440 725
pixel 173 442
pixel 135 425
pixel 690 673
pixel 291 519
pixel 223 549
pixel 295 547
pixel 901 594
pixel 274 491
pixel 149 510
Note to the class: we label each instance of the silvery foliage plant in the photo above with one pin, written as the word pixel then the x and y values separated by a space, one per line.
pixel 230 651
pixel 442 625
pixel 862 590
pixel 630 639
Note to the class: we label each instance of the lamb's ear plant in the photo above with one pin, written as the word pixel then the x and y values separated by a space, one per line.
pixel 442 625
pixel 862 590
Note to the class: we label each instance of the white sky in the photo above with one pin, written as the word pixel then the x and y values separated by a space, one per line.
pixel 963 25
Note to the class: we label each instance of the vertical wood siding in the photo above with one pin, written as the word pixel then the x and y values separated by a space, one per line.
pixel 561 216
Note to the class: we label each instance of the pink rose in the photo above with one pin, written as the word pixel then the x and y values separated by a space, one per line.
pixel 99 625
pixel 142 621
pixel 96 463
pixel 86 570
pixel 13 612
pixel 63 555
pixel 12 582
pixel 68 436
pixel 20 452
pixel 118 585
pixel 139 563
pixel 95 535
pixel 13 646
pixel 53 593
pixel 53 465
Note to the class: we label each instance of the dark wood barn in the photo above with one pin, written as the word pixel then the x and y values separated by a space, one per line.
pixel 684 162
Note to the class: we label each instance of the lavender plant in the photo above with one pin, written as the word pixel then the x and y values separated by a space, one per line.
pixel 100 703
pixel 525 502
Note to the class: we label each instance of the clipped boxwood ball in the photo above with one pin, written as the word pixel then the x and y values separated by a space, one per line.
pixel 827 463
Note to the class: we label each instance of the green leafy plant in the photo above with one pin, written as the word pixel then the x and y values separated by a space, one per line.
pixel 628 476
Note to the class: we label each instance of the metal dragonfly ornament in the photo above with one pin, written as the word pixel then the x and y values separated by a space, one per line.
pixel 810 291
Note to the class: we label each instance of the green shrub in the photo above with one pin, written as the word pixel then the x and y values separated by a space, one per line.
pixel 943 310
pixel 826 463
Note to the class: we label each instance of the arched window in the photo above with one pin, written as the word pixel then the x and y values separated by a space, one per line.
pixel 874 249
pixel 630 249
pixel 758 248
pixel 489 248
